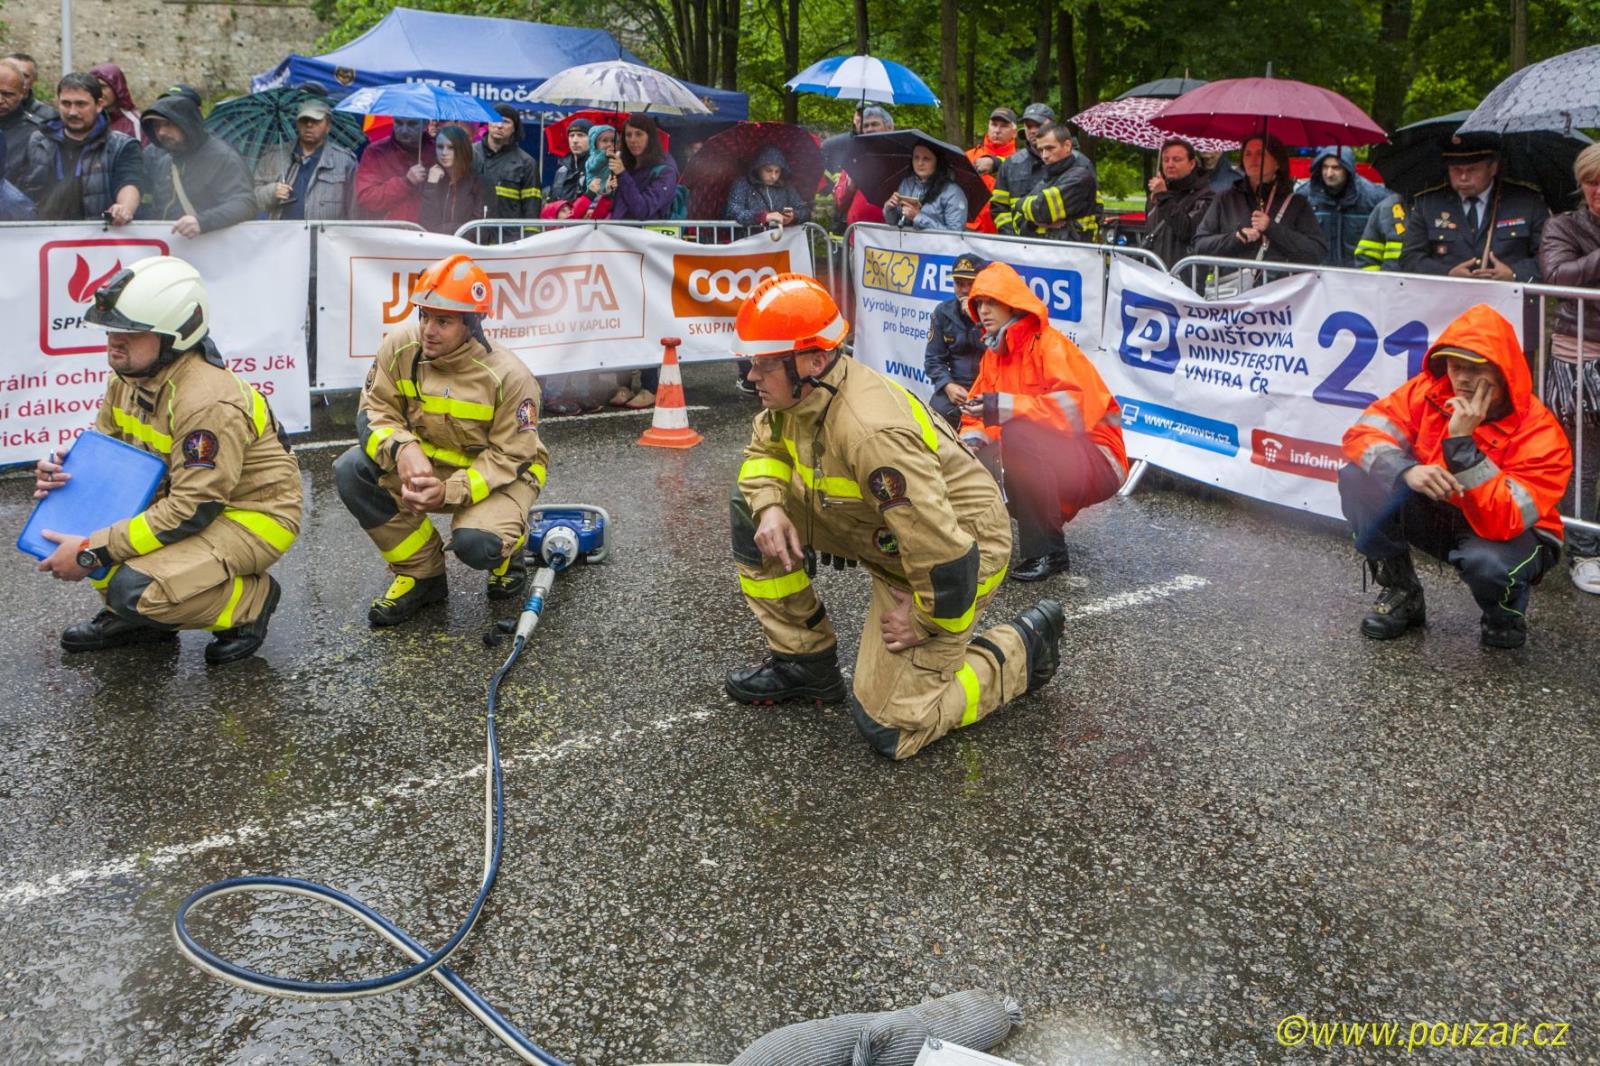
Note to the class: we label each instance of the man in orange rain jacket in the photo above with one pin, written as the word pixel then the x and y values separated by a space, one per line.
pixel 997 146
pixel 1040 418
pixel 1464 462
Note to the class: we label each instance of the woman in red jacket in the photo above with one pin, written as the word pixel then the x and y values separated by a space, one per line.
pixel 1464 462
pixel 1039 409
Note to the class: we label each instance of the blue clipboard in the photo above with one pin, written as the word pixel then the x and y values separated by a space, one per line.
pixel 110 481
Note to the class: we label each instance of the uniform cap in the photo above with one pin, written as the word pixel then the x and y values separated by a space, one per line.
pixel 967 265
pixel 1471 147
pixel 1039 113
pixel 1004 113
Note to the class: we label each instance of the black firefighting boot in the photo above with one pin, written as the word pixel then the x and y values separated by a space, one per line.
pixel 405 597
pixel 1399 606
pixel 1500 629
pixel 107 630
pixel 781 678
pixel 507 580
pixel 1040 627
pixel 240 642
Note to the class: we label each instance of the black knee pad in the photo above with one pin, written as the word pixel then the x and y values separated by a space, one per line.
pixel 123 592
pixel 743 526
pixel 884 741
pixel 356 478
pixel 477 548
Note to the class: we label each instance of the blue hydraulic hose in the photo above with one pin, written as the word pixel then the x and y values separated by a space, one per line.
pixel 426 963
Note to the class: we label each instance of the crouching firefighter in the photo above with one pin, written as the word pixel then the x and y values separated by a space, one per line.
pixel 197 557
pixel 1464 462
pixel 448 423
pixel 847 466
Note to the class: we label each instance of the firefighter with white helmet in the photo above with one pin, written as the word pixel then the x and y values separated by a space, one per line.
pixel 448 423
pixel 197 557
pixel 846 467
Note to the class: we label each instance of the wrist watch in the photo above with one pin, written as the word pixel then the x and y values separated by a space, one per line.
pixel 92 558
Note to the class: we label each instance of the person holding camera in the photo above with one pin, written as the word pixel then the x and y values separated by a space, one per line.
pixel 1479 224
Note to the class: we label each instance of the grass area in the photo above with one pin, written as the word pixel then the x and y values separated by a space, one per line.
pixel 1124 205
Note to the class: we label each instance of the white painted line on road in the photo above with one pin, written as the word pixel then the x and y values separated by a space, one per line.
pixel 26 892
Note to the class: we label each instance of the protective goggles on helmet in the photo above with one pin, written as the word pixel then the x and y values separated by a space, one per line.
pixel 104 312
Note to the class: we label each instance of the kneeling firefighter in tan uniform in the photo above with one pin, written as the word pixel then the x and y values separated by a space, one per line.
pixel 846 464
pixel 197 557
pixel 448 423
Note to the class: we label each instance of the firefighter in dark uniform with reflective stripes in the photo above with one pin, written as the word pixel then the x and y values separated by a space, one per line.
pixel 846 466
pixel 197 557
pixel 448 423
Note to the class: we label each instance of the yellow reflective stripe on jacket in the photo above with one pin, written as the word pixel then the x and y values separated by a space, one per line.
pixel 141 536
pixel 466 410
pixel 141 432
pixel 444 455
pixel 258 411
pixel 842 487
pixel 375 441
pixel 99 583
pixel 510 192
pixel 477 488
pixel 1053 202
pixel 958 624
pixel 264 526
pixel 774 588
pixel 538 472
pixel 969 684
pixel 930 436
pixel 777 468
pixel 225 619
pixel 411 545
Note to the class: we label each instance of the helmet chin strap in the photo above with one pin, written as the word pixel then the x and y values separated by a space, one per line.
pixel 814 380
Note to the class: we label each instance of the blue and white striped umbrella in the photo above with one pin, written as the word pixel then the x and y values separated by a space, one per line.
pixel 615 85
pixel 863 78
pixel 418 100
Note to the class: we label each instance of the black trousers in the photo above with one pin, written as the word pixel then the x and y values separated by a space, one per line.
pixel 1048 476
pixel 1390 520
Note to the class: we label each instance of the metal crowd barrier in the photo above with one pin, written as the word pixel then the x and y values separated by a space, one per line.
pixel 1201 273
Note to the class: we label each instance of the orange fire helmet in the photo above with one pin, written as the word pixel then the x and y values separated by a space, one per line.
pixel 456 284
pixel 786 314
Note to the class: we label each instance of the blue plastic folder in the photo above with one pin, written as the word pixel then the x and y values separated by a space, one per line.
pixel 110 481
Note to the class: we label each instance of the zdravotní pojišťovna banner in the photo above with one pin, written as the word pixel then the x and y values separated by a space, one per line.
pixel 901 276
pixel 55 372
pixel 570 299
pixel 1254 393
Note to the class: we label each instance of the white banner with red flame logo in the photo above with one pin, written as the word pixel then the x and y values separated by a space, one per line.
pixel 571 299
pixel 55 373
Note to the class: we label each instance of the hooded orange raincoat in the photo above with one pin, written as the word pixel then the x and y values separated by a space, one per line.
pixel 1513 470
pixel 1038 374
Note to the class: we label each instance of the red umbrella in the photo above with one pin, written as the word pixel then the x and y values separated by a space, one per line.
pixel 1299 115
pixel 728 157
pixel 555 134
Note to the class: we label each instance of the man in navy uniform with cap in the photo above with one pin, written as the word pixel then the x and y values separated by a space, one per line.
pixel 955 343
pixel 1478 224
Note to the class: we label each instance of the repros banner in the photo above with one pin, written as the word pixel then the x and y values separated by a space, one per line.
pixel 902 275
pixel 573 298
pixel 55 375
pixel 1254 393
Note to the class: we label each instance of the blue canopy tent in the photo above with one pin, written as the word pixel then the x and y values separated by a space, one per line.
pixel 497 60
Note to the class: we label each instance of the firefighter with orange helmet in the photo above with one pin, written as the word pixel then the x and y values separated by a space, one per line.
pixel 448 423
pixel 847 468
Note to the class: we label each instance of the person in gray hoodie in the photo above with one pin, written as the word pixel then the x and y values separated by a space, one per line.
pixel 1343 201
pixel 201 184
pixel 767 196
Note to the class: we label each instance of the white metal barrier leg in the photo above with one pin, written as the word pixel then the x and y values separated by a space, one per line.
pixel 1135 474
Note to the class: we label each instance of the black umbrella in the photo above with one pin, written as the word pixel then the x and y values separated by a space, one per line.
pixel 1411 161
pixel 1164 88
pixel 878 162
pixel 255 123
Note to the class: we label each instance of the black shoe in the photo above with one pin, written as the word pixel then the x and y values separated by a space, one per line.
pixel 106 630
pixel 405 597
pixel 241 642
pixel 790 677
pixel 1505 632
pixel 1040 567
pixel 1041 626
pixel 1400 606
pixel 509 583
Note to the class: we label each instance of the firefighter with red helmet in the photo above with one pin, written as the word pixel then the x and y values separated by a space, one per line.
pixel 845 467
pixel 448 423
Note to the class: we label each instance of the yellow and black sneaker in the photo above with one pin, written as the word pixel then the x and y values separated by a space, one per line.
pixel 507 580
pixel 405 597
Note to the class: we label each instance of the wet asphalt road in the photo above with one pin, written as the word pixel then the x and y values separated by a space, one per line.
pixel 1228 808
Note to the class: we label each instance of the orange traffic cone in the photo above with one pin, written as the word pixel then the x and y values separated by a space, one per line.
pixel 669 428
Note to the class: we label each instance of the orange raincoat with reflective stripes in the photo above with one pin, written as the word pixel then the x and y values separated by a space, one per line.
pixel 1513 470
pixel 984 223
pixel 1038 374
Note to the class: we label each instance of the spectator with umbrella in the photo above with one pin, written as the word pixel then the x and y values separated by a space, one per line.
pixel 1062 205
pixel 647 188
pixel 1261 216
pixel 393 170
pixel 1480 224
pixel 851 206
pixel 1569 255
pixel 725 173
pixel 568 182
pixel 1180 196
pixel 1342 200
pixel 598 181
pixel 312 178
pixel 927 198
pixel 452 195
pixel 882 165
pixel 767 196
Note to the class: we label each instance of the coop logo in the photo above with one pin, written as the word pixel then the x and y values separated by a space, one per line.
pixel 69 274
pixel 1149 333
pixel 1296 455
pixel 715 285
pixel 575 288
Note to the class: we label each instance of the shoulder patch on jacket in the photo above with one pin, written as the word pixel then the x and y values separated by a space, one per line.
pixel 526 414
pixel 888 487
pixel 200 449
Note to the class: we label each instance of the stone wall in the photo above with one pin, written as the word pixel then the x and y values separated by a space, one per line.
pixel 216 46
